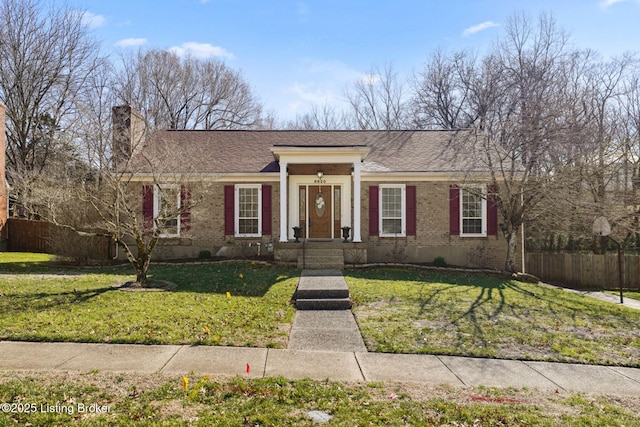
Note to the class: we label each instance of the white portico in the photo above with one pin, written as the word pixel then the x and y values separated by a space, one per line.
pixel 317 187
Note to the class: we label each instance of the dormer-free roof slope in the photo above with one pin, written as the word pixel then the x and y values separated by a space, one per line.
pixel 248 151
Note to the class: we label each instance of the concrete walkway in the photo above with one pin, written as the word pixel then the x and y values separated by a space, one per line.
pixel 328 330
pixel 319 365
pixel 614 299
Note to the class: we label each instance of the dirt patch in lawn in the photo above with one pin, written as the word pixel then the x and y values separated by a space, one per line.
pixel 151 286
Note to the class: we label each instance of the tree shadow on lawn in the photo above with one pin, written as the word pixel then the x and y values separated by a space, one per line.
pixel 49 300
pixel 239 279
pixel 492 299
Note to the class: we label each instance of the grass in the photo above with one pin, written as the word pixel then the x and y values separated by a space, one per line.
pixel 25 261
pixel 43 302
pixel 130 399
pixel 402 311
pixel 398 311
pixel 626 294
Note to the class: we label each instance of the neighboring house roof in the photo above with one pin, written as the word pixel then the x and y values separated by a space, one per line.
pixel 244 151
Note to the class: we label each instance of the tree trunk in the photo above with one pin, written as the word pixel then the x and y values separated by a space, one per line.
pixel 512 243
pixel 141 275
pixel 142 263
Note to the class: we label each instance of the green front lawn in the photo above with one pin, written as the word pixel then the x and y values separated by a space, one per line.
pixel 42 302
pixel 397 310
pixel 135 399
pixel 402 311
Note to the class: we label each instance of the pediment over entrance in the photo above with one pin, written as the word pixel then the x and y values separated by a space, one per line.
pixel 319 154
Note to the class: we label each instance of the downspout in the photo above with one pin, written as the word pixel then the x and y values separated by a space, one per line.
pixel 115 257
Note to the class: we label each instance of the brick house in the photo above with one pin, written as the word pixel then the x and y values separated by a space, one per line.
pixel 405 195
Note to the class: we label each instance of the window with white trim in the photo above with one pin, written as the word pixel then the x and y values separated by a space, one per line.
pixel 473 211
pixel 393 215
pixel 166 208
pixel 248 210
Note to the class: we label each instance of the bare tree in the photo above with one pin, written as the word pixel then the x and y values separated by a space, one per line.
pixel 513 97
pixel 47 56
pixel 378 101
pixel 522 129
pixel 320 118
pixel 92 127
pixel 602 153
pixel 442 91
pixel 186 93
pixel 135 214
pixel 116 204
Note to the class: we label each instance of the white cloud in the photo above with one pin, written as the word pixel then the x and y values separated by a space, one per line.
pixel 323 82
pixel 131 42
pixel 332 70
pixel 371 79
pixel 311 93
pixel 92 20
pixel 320 82
pixel 200 50
pixel 480 27
pixel 608 3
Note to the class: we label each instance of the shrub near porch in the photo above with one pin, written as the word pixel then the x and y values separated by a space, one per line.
pixel 79 305
pixel 401 311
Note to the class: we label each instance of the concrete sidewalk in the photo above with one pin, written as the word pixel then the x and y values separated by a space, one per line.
pixel 320 365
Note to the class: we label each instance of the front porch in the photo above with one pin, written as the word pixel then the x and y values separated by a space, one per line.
pixel 320 190
pixel 330 254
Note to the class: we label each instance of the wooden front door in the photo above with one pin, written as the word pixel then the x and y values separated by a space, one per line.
pixel 320 213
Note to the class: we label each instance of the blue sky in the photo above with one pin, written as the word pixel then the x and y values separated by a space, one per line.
pixel 299 53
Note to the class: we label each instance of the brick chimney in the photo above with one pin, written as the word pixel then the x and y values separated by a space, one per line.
pixel 4 186
pixel 128 129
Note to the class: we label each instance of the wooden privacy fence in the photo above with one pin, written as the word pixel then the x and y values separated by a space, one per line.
pixel 584 271
pixel 39 236
pixel 28 236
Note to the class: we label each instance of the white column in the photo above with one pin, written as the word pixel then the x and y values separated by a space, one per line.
pixel 356 202
pixel 283 201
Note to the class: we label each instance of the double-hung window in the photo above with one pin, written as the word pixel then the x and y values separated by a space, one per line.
pixel 248 209
pixel 166 210
pixel 473 209
pixel 392 210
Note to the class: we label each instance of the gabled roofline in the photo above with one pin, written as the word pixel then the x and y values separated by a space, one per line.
pixel 322 154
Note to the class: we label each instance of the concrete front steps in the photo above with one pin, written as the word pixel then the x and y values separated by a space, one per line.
pixel 322 290
pixel 322 258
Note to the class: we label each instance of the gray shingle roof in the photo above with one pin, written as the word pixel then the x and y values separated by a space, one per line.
pixel 229 151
